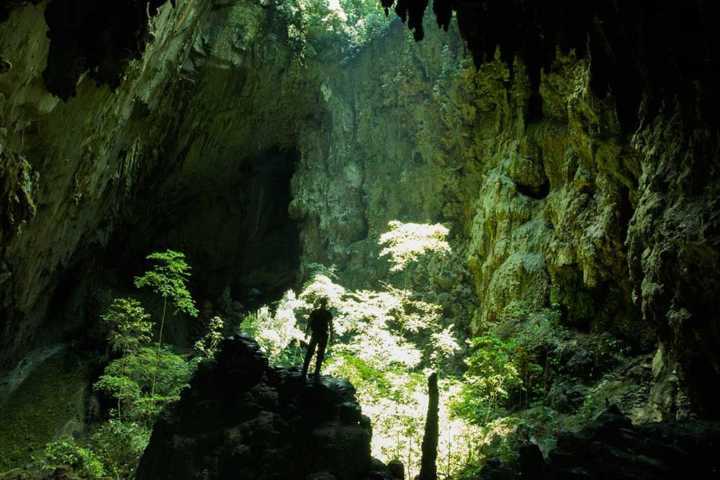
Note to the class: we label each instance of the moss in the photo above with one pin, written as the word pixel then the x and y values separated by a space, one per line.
pixel 49 400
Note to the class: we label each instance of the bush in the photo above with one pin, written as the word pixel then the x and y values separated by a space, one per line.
pixel 491 376
pixel 120 445
pixel 67 453
pixel 130 380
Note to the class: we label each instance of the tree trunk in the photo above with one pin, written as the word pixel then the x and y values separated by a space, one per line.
pixel 157 351
pixel 428 465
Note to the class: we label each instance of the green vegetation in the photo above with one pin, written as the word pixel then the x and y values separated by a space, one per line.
pixel 66 453
pixel 387 341
pixel 319 25
pixel 143 377
pixel 168 279
pixel 130 326
pixel 493 388
pixel 406 242
pixel 49 401
pixel 491 376
pixel 207 346
pixel 144 382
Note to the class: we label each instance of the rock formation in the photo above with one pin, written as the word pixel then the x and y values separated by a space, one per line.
pixel 612 447
pixel 241 418
pixel 428 467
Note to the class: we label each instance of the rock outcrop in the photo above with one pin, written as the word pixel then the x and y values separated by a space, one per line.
pixel 612 447
pixel 241 419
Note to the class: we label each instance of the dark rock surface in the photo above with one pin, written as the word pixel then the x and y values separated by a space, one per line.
pixel 613 448
pixel 651 49
pixel 241 419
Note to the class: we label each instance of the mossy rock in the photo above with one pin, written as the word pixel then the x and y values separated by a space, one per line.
pixel 47 404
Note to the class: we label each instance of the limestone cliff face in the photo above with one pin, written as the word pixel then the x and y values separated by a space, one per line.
pixel 568 211
pixel 169 153
pixel 540 210
pixel 79 160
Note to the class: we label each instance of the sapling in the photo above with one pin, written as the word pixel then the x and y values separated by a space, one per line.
pixel 168 278
pixel 130 330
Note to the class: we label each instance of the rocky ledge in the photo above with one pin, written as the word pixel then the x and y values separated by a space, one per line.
pixel 613 448
pixel 242 419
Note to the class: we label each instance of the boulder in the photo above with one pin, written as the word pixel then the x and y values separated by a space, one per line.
pixel 242 419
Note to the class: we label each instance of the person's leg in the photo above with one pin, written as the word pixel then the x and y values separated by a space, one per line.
pixel 322 343
pixel 309 354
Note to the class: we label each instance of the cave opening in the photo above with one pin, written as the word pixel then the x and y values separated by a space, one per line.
pixel 240 242
pixel 236 232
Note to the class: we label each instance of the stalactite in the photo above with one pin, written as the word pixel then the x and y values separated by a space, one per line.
pixel 650 54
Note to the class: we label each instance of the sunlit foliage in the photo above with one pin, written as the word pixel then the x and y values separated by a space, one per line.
pixel 387 340
pixel 208 345
pixel 277 334
pixel 406 242
pixel 315 25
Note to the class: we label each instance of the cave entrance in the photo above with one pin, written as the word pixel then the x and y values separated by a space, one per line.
pixel 237 233
pixel 268 257
pixel 232 223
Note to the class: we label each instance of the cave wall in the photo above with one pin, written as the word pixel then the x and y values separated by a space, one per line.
pixel 656 62
pixel 216 92
pixel 539 209
pixel 566 210
pixel 81 159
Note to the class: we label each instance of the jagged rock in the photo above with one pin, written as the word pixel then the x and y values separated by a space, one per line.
pixel 613 448
pixel 242 419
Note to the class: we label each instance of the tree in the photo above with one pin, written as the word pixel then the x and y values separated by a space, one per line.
pixel 130 325
pixel 407 242
pixel 119 445
pixel 168 278
pixel 130 330
pixel 145 381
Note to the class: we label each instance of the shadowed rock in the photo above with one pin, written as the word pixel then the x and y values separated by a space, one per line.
pixel 612 447
pixel 242 419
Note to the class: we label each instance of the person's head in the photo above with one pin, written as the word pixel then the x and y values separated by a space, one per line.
pixel 321 302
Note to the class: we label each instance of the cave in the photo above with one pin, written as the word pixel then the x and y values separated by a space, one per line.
pixel 235 230
pixel 492 225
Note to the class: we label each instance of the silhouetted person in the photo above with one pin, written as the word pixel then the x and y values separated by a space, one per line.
pixel 320 324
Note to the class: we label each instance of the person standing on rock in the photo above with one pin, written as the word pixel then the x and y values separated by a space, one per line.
pixel 320 325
